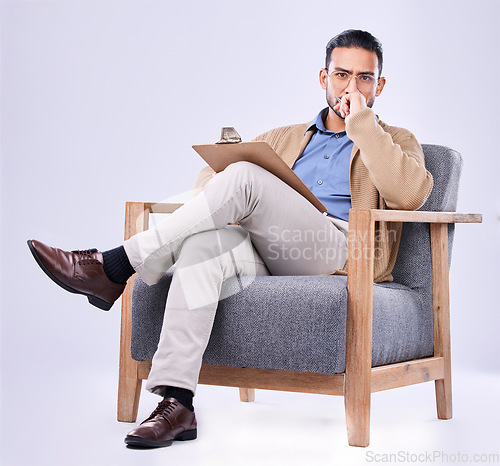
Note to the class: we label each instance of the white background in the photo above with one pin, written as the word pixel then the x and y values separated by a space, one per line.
pixel 101 102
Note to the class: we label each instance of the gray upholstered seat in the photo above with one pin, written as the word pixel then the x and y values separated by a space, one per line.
pixel 299 323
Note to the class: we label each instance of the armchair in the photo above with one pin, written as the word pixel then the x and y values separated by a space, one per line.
pixel 323 334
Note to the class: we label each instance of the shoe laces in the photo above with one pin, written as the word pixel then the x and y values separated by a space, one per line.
pixel 164 409
pixel 86 257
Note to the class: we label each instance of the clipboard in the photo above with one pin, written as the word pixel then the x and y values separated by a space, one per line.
pixel 219 156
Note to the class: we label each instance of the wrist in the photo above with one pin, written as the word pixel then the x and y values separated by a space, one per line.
pixel 359 121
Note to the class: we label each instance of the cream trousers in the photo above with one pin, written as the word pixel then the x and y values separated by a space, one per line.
pixel 279 233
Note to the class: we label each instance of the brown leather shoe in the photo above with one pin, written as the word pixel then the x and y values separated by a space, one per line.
pixel 78 272
pixel 168 422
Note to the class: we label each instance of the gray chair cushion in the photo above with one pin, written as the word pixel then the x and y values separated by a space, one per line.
pixel 298 323
pixel 292 323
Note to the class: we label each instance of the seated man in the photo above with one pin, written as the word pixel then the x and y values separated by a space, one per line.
pixel 346 156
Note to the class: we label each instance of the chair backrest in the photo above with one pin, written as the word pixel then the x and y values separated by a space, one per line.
pixel 413 264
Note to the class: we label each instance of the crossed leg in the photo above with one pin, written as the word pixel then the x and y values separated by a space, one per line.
pixel 280 232
pixel 291 236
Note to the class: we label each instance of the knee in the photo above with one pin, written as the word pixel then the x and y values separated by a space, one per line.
pixel 245 171
pixel 240 176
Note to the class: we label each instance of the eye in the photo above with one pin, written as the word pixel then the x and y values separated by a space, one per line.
pixel 366 78
pixel 340 75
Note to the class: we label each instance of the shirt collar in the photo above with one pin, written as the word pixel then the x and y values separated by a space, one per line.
pixel 318 122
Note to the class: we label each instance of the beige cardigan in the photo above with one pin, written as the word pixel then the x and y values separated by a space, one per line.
pixel 387 172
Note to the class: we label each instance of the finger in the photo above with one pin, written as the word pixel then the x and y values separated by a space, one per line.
pixel 345 106
pixel 342 109
pixel 338 108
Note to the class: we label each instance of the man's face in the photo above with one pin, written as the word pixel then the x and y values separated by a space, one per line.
pixel 354 61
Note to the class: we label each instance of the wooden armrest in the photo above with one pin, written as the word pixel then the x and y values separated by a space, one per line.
pixel 424 216
pixel 137 214
pixel 161 207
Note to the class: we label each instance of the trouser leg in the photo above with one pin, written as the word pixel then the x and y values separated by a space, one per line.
pixel 291 236
pixel 206 261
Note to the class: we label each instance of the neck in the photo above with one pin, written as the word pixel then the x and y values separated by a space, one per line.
pixel 333 122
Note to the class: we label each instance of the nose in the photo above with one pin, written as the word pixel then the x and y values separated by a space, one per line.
pixel 352 86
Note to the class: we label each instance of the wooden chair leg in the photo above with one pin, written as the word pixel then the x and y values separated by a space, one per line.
pixel 443 398
pixel 129 392
pixel 129 383
pixel 357 382
pixel 357 400
pixel 247 394
pixel 441 312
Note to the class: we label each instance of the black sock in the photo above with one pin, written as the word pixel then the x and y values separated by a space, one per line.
pixel 182 395
pixel 117 267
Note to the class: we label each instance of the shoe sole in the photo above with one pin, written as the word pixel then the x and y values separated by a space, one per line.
pixel 105 306
pixel 144 443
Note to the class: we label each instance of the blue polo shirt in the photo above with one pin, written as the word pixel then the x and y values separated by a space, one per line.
pixel 324 167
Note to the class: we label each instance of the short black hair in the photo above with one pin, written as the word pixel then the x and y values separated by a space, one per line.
pixel 355 38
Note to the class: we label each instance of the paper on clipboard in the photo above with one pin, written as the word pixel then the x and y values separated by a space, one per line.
pixel 219 156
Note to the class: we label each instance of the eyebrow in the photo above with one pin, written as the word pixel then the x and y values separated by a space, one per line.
pixel 338 68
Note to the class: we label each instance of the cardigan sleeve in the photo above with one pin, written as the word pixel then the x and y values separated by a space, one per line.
pixel 394 161
pixel 202 179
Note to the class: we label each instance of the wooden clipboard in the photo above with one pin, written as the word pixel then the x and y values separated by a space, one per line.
pixel 219 156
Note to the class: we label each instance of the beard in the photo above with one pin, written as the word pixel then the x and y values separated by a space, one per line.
pixel 331 103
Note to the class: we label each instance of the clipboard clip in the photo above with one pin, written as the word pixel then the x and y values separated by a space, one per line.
pixel 229 135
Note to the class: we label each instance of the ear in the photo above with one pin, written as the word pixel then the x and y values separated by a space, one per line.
pixel 323 77
pixel 380 86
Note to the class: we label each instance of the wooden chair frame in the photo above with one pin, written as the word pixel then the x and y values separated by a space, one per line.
pixel 359 379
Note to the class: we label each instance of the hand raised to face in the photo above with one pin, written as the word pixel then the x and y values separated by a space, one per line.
pixel 350 104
